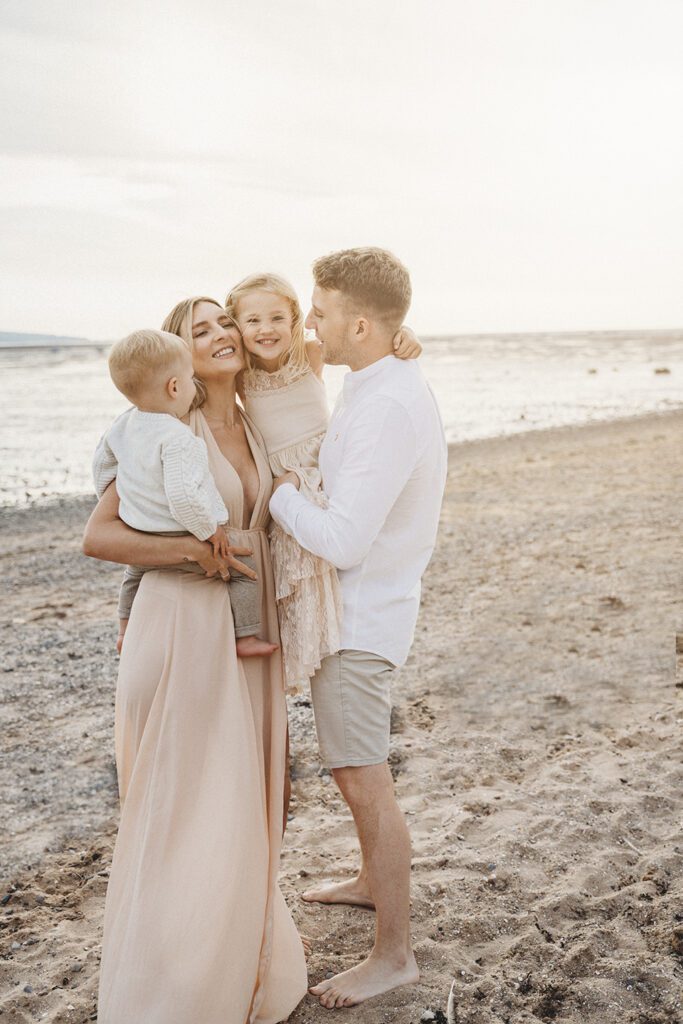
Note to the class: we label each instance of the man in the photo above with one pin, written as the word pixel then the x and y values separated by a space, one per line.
pixel 383 465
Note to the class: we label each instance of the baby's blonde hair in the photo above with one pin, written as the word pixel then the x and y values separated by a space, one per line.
pixel 179 321
pixel 141 355
pixel 296 354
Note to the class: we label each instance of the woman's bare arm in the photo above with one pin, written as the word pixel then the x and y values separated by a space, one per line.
pixel 109 538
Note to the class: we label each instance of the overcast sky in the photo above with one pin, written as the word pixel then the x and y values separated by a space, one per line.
pixel 524 158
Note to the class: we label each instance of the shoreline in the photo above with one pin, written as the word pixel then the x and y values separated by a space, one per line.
pixel 47 501
pixel 535 747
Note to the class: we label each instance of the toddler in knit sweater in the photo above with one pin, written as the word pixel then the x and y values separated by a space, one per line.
pixel 162 470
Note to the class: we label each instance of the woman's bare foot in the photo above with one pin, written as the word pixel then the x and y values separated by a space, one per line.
pixel 370 978
pixel 254 647
pixel 354 893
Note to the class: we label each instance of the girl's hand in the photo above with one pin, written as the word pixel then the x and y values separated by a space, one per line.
pixel 406 345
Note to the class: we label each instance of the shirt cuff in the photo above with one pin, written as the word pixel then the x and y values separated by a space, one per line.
pixel 281 500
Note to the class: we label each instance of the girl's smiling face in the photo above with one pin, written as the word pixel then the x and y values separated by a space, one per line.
pixel 265 320
pixel 216 342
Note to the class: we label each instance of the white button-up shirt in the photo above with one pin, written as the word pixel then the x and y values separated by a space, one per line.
pixel 383 464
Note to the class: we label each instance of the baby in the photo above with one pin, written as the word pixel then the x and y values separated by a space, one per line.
pixel 162 470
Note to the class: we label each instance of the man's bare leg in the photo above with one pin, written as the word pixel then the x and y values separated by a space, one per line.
pixel 354 892
pixel 385 845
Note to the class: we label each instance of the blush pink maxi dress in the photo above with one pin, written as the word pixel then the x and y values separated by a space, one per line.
pixel 196 930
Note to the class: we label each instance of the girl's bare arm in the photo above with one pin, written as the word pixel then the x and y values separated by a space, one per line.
pixel 315 357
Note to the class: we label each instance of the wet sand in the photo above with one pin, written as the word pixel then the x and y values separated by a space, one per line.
pixel 536 748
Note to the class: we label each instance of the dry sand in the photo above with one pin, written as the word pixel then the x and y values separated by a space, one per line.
pixel 536 749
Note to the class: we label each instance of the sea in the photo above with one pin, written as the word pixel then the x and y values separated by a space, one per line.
pixel 58 398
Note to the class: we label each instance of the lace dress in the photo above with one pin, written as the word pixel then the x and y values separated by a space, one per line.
pixel 289 408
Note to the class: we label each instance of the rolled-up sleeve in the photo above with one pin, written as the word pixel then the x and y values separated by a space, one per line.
pixel 379 456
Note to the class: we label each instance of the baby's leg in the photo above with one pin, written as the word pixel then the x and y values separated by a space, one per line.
pixel 245 598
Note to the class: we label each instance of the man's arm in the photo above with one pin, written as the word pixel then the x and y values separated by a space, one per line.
pixel 380 453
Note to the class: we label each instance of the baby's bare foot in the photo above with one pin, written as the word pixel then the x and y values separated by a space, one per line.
pixel 353 892
pixel 254 647
pixel 123 626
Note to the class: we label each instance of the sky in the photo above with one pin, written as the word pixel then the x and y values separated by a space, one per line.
pixel 523 158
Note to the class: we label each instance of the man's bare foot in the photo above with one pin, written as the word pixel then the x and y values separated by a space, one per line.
pixel 254 647
pixel 307 944
pixel 353 892
pixel 370 978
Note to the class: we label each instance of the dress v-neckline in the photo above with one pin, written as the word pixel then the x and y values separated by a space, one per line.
pixel 255 451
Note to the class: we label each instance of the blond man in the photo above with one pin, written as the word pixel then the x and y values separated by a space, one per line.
pixel 383 464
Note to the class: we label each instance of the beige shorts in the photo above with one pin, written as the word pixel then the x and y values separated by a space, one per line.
pixel 351 694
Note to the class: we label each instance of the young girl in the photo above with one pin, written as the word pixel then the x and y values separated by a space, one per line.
pixel 284 395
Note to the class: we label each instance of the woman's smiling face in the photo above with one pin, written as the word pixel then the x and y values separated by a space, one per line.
pixel 216 343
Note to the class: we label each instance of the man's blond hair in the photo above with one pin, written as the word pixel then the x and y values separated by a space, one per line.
pixel 144 354
pixel 373 281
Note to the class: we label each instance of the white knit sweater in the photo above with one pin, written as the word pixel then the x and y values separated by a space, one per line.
pixel 162 475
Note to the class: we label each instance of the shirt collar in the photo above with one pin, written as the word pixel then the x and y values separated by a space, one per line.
pixel 356 379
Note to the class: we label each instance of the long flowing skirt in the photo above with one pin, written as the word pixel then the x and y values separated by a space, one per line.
pixel 196 928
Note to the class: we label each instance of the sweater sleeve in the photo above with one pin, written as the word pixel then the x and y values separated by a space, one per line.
pixel 193 497
pixel 104 466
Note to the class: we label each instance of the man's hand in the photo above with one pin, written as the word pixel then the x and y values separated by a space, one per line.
pixel 217 566
pixel 286 478
pixel 406 345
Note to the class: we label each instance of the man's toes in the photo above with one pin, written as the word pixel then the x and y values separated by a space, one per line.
pixel 319 990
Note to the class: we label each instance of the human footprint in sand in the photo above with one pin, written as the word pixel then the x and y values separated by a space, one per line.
pixel 383 465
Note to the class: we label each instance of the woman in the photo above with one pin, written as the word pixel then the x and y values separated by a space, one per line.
pixel 195 926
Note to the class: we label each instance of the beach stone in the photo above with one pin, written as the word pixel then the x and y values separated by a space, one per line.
pixel 16 945
pixel 28 989
pixel 427 1016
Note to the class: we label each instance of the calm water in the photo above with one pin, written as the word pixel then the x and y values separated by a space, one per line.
pixel 59 401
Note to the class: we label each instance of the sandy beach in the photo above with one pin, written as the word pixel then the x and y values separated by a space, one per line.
pixel 536 749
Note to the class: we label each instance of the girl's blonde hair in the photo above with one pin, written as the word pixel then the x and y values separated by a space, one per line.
pixel 179 321
pixel 296 354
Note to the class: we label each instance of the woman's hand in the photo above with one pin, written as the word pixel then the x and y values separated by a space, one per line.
pixel 406 345
pixel 217 566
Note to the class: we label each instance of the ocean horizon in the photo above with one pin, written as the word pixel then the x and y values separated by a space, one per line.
pixel 60 400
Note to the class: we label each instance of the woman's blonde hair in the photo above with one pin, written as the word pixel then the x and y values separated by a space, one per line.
pixel 179 321
pixel 296 354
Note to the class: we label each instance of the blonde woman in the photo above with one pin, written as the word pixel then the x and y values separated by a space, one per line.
pixel 195 926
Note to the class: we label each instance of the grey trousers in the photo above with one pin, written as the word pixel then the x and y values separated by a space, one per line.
pixel 245 596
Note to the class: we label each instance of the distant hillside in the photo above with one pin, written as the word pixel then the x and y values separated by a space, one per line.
pixel 9 339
